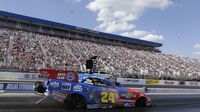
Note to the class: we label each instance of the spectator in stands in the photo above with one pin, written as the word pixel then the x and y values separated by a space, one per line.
pixel 30 51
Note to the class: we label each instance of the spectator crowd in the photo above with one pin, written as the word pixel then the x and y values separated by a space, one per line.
pixel 30 51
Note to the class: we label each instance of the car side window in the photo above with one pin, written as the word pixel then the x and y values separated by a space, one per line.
pixel 88 81
pixel 102 83
pixel 108 84
pixel 97 82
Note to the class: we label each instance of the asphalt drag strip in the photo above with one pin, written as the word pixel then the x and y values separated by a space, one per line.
pixel 26 102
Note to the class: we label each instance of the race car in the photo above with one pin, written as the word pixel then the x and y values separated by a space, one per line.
pixel 79 90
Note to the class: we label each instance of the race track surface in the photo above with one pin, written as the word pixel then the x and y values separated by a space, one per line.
pixel 161 103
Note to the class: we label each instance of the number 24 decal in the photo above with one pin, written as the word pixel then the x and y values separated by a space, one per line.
pixel 107 97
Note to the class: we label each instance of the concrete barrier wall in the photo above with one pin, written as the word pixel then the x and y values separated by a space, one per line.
pixel 168 90
pixel 125 81
pixel 17 87
pixel 131 81
pixel 19 76
pixel 1 86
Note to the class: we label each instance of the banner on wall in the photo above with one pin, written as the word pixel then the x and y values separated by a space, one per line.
pixel 152 82
pixel 182 83
pixel 188 83
pixel 131 81
pixel 169 82
pixel 19 76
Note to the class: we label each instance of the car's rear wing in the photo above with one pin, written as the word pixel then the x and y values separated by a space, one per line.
pixel 69 76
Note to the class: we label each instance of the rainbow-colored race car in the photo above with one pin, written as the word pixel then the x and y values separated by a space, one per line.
pixel 78 90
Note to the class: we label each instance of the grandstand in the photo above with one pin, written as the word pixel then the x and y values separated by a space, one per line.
pixel 29 43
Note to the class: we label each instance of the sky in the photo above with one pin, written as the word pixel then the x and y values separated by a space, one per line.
pixel 174 23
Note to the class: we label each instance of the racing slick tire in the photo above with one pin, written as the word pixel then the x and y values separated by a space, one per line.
pixel 39 87
pixel 141 102
pixel 75 101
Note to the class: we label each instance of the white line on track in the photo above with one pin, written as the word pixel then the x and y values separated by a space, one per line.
pixel 172 93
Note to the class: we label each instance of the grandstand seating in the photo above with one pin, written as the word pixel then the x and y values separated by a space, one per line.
pixel 29 51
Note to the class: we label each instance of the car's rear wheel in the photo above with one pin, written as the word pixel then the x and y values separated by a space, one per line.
pixel 75 101
pixel 141 102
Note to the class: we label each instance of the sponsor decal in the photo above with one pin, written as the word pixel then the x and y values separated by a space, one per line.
pixel 107 97
pixel 181 83
pixel 61 76
pixel 93 106
pixel 66 86
pixel 78 88
pixel 70 76
pixel 169 82
pixel 55 92
pixel 54 84
pixel 193 83
pixel 152 82
pixel 131 80
pixel 55 96
pixel 30 75
pixel 128 95
pixel 104 106
pixel 127 100
pixel 58 95
pixel 129 105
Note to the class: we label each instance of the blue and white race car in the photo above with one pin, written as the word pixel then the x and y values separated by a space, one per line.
pixel 78 90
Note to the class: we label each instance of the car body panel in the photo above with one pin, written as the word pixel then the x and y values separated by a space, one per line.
pixel 104 94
